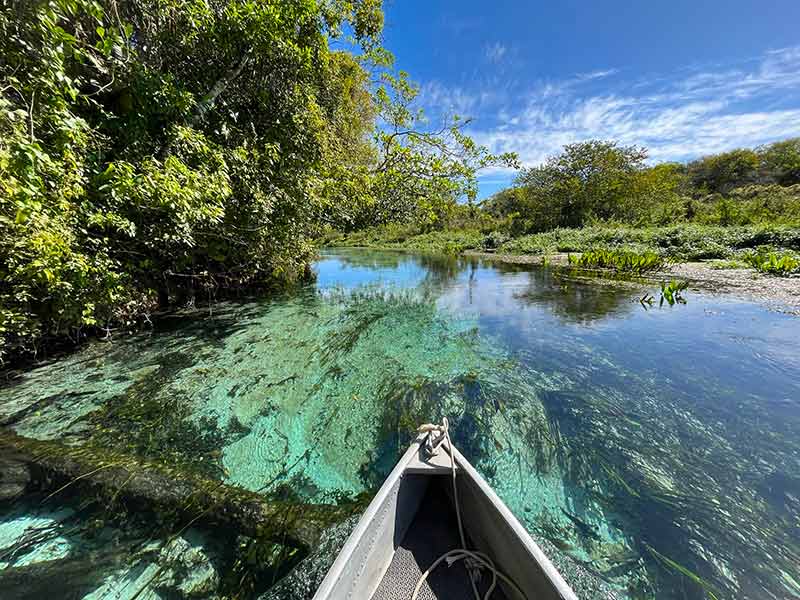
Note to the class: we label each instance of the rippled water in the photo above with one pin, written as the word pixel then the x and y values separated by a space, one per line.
pixel 658 449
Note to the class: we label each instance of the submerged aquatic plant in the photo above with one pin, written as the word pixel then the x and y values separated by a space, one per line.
pixel 625 261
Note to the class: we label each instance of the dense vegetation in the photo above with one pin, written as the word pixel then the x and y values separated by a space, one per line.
pixel 600 196
pixel 155 150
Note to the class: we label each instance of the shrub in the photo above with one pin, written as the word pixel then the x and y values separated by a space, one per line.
pixel 494 240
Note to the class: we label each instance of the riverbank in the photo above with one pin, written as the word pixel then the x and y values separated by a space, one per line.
pixel 714 276
pixel 685 242
pixel 703 254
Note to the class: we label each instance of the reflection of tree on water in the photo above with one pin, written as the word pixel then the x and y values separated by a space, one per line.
pixel 441 269
pixel 371 259
pixel 573 299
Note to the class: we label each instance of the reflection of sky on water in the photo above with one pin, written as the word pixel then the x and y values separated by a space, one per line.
pixel 354 268
pixel 706 336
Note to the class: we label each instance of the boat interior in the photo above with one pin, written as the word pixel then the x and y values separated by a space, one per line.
pixel 433 530
pixel 412 522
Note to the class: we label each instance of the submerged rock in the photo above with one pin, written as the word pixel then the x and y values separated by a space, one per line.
pixel 14 479
pixel 186 567
pixel 305 578
pixel 192 565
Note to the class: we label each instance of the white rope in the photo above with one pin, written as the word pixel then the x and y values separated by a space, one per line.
pixel 474 560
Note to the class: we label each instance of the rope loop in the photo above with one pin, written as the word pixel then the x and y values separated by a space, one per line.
pixel 432 442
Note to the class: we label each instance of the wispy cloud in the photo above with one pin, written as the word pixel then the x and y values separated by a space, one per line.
pixel 439 99
pixel 677 116
pixel 494 53
pixel 600 74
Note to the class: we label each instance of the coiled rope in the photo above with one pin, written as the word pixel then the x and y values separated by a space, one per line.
pixel 474 560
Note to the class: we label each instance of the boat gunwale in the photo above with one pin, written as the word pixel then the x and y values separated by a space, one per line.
pixel 334 574
pixel 561 587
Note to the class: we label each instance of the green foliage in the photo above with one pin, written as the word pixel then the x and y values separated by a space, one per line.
pixel 681 242
pixel 672 292
pixel 723 172
pixel 154 150
pixel 750 205
pixel 619 260
pixel 419 172
pixel 676 242
pixel 600 182
pixel 723 265
pixel 588 181
pixel 407 236
pixel 781 161
pixel 765 260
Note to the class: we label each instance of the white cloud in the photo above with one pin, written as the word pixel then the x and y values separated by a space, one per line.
pixel 440 99
pixel 494 53
pixel 677 116
pixel 600 74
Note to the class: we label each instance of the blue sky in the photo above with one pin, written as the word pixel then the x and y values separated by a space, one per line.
pixel 683 78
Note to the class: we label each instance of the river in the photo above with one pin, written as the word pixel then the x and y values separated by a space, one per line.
pixel 655 447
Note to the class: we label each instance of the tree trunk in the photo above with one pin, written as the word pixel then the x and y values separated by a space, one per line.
pixel 66 469
pixel 163 298
pixel 207 102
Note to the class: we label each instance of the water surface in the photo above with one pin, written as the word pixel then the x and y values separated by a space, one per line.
pixel 656 448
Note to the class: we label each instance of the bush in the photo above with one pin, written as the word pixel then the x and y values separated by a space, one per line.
pixel 138 164
pixel 494 240
pixel 682 242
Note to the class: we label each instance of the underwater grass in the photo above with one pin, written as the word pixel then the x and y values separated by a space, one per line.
pixel 685 571
pixel 621 447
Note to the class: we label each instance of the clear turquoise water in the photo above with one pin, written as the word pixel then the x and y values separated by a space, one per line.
pixel 657 448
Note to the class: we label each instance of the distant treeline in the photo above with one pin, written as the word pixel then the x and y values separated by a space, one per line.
pixel 598 182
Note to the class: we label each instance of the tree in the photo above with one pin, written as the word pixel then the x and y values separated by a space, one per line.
pixel 720 173
pixel 661 192
pixel 781 161
pixel 419 171
pixel 588 180
pixel 151 149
